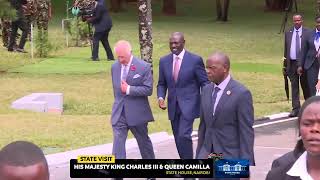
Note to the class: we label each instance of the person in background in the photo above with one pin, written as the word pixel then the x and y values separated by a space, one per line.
pixel 304 161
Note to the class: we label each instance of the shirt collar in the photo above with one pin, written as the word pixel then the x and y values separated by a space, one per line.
pixel 300 29
pixel 224 83
pixel 180 55
pixel 129 62
pixel 299 168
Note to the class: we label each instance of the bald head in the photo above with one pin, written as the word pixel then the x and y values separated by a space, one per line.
pixel 218 65
pixel 23 160
pixel 123 51
pixel 176 42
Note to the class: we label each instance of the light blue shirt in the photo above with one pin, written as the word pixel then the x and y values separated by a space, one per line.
pixel 221 86
pixel 293 42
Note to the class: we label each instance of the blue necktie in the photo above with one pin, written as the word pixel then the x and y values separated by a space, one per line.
pixel 214 97
pixel 317 36
pixel 124 72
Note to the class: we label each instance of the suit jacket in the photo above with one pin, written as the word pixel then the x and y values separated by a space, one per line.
pixel 282 165
pixel 287 43
pixel 308 50
pixel 101 19
pixel 230 130
pixel 135 105
pixel 192 76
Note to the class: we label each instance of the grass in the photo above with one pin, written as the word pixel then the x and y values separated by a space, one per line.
pixel 250 38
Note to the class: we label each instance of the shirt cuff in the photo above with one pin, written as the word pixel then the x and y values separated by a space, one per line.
pixel 128 90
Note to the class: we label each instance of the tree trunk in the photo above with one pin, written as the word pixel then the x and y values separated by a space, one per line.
pixel 145 30
pixel 115 5
pixel 169 7
pixel 277 5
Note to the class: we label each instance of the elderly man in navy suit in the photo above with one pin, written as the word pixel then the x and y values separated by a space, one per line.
pixel 226 120
pixel 182 74
pixel 132 84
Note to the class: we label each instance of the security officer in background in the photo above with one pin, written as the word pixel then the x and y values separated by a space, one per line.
pixel 102 24
pixel 20 22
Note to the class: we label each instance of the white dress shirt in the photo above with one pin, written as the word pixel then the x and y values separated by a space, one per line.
pixel 299 168
pixel 293 42
pixel 128 69
pixel 221 86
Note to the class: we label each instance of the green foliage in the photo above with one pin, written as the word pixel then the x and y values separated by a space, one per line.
pixel 43 46
pixel 6 11
pixel 79 32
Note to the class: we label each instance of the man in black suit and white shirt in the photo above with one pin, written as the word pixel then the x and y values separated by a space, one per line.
pixel 292 50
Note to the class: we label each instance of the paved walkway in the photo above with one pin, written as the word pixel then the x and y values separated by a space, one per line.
pixel 271 141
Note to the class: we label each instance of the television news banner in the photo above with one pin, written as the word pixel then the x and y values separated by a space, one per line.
pixel 106 166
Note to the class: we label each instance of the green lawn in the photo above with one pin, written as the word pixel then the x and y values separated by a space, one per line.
pixel 250 38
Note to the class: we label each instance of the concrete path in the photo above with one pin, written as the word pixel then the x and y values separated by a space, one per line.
pixel 272 139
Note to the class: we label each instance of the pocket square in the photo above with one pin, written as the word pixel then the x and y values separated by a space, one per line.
pixel 136 76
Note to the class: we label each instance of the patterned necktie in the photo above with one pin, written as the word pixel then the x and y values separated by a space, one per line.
pixel 176 69
pixel 124 72
pixel 214 96
pixel 297 44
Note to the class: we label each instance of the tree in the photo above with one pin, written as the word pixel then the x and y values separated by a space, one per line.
pixel 278 5
pixel 6 10
pixel 169 7
pixel 222 8
pixel 145 29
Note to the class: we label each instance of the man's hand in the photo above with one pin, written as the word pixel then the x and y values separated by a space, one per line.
pixel 284 71
pixel 300 71
pixel 162 104
pixel 124 86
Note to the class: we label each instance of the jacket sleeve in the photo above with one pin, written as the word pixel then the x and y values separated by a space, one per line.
pixel 162 83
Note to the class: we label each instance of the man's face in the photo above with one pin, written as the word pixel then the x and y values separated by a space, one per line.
pixel 297 21
pixel 123 56
pixel 176 43
pixel 310 129
pixel 216 70
pixel 33 172
pixel 318 24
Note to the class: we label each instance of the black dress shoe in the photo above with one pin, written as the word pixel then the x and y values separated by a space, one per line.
pixel 151 178
pixel 117 178
pixel 21 50
pixel 293 114
pixel 95 59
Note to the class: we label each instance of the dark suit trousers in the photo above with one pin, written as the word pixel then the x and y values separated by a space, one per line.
pixel 294 79
pixel 182 129
pixel 21 24
pixel 140 132
pixel 305 86
pixel 103 37
pixel 312 75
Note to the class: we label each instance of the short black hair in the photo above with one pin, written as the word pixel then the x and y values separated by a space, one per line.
pixel 22 153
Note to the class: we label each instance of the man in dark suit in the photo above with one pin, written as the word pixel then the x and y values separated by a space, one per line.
pixel 227 114
pixel 292 44
pixel 19 23
pixel 132 84
pixel 182 73
pixel 102 24
pixel 308 62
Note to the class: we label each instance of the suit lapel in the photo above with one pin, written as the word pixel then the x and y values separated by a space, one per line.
pixel 117 75
pixel 170 70
pixel 224 98
pixel 132 69
pixel 290 37
pixel 183 63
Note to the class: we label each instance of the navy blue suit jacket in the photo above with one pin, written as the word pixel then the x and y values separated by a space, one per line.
pixel 101 19
pixel 192 76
